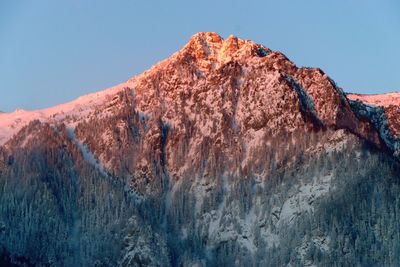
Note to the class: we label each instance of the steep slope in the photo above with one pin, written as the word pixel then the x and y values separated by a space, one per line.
pixel 69 113
pixel 224 154
pixel 234 93
pixel 390 103
pixel 383 100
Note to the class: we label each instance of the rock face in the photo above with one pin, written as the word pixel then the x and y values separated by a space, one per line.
pixel 224 154
pixel 390 103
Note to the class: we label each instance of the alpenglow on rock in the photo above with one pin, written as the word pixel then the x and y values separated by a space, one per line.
pixel 224 154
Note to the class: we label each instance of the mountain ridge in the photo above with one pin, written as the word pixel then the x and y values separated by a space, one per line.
pixel 205 53
pixel 224 154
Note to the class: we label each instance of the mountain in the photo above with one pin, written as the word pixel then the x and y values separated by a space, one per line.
pixel 388 103
pixel 224 154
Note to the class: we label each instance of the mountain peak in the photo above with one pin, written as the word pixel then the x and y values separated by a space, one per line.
pixel 212 48
pixel 249 84
pixel 205 37
pixel 19 110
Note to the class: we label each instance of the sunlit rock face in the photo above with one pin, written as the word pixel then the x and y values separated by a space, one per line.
pixel 224 154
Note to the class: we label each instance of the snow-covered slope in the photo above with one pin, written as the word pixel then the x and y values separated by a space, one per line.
pixel 387 104
pixel 70 113
pixel 383 100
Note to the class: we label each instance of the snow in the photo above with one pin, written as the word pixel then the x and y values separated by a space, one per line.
pixel 70 113
pixel 337 141
pixel 214 226
pixel 256 139
pixel 321 242
pixel 87 155
pixel 302 200
pixel 26 140
pixel 378 116
pixel 383 100
pixel 247 238
pixel 212 51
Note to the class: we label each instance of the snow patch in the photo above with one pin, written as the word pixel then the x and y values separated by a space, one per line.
pixel 70 113
pixel 382 100
pixel 86 153
pixel 302 200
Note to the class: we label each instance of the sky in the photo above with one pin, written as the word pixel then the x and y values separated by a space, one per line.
pixel 52 52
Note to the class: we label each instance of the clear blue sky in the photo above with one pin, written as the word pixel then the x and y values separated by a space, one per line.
pixel 54 51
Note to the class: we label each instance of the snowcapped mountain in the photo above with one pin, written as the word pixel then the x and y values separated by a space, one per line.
pixel 224 154
pixel 70 113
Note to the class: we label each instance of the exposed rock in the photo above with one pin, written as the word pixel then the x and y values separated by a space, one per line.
pixel 224 154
